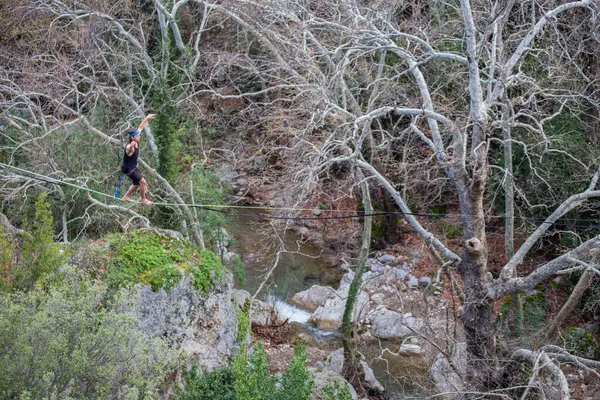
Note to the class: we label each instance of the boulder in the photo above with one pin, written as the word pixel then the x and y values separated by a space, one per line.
pixel 410 349
pixel 383 295
pixel 335 362
pixel 387 259
pixel 447 380
pixel 261 313
pixel 312 298
pixel 323 378
pixel 388 324
pixel 377 267
pixel 400 274
pixel 413 282
pixel 346 280
pixel 424 281
pixel 374 280
pixel 328 316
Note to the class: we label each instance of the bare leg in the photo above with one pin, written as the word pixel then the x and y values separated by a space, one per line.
pixel 143 187
pixel 130 191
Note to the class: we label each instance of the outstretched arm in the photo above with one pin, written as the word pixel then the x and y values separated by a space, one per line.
pixel 145 121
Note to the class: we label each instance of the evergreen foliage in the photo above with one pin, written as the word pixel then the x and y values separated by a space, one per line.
pixel 247 378
pixel 149 258
pixel 209 190
pixel 38 254
pixel 66 342
pixel 336 391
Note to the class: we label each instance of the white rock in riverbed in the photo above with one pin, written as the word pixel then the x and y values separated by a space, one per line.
pixel 388 324
pixel 312 298
pixel 328 316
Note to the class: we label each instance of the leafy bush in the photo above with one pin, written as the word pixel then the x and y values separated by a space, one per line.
pixel 247 378
pixel 65 341
pixel 38 254
pixel 149 258
pixel 580 342
pixel 211 385
pixel 209 190
pixel 336 391
pixel 243 323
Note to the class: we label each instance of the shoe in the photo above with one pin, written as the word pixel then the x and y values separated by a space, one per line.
pixel 147 202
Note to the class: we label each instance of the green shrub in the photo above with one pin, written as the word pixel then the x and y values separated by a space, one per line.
pixel 211 385
pixel 336 391
pixel 149 258
pixel 38 254
pixel 243 323
pixel 296 382
pixel 207 269
pixel 64 342
pixel 579 342
pixel 452 230
pixel 247 378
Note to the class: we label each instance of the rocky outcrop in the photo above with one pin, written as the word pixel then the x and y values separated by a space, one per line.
pixel 446 376
pixel 327 378
pixel 335 362
pixel 203 326
pixel 384 294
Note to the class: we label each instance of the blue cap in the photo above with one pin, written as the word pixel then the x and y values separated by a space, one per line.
pixel 134 133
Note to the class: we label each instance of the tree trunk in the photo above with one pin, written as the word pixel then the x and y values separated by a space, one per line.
pixel 352 369
pixel 477 314
pixel 515 312
pixel 567 309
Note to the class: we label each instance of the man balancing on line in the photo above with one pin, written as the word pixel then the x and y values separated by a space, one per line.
pixel 129 164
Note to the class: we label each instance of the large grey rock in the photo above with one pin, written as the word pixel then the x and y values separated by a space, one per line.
pixel 424 281
pixel 328 316
pixel 401 274
pixel 326 377
pixel 413 282
pixel 261 313
pixel 388 324
pixel 410 349
pixel 346 280
pixel 447 380
pixel 312 298
pixel 203 326
pixel 384 295
pixel 372 281
pixel 239 296
pixel 387 259
pixel 335 362
pixel 377 267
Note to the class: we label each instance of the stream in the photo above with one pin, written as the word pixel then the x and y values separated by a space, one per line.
pixel 299 268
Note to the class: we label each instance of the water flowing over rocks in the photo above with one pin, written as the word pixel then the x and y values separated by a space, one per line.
pixel 389 303
pixel 203 326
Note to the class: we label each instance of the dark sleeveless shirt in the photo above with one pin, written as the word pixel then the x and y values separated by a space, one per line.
pixel 130 162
